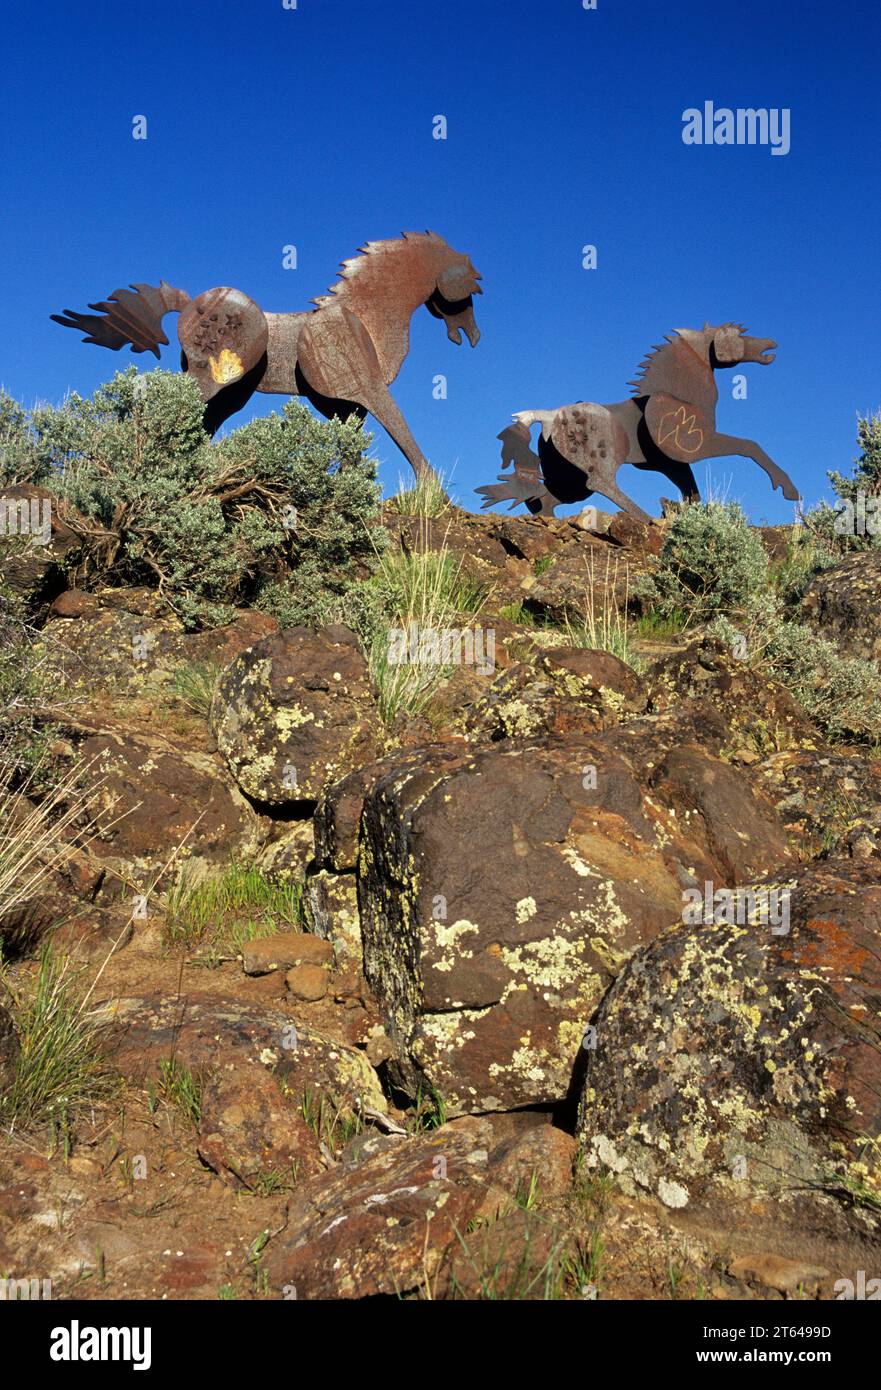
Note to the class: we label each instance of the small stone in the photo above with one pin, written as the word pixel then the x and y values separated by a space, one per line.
pixel 283 951
pixel 73 603
pixel 776 1272
pixel 308 982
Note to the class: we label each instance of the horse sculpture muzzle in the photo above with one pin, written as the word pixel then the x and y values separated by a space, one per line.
pixel 760 350
pixel 458 315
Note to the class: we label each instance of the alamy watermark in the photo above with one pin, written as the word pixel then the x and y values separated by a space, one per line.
pixel 737 907
pixel 859 1289
pixel 25 1290
pixel 27 516
pixel 76 1343
pixel 858 516
pixel 453 646
pixel 743 125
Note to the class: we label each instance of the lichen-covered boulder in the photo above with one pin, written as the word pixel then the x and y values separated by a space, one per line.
pixel 128 640
pixel 566 690
pixel 294 713
pixel 500 893
pixel 121 640
pixel 761 716
pixel 739 1058
pixel 823 794
pixel 149 798
pixel 844 604
pixel 286 859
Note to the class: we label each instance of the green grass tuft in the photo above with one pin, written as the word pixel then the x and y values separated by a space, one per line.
pixel 194 683
pixel 427 497
pixel 61 1068
pixel 219 915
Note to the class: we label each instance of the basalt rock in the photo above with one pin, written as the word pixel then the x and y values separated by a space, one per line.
pixel 643 537
pixel 390 1224
pixel 338 814
pixel 150 798
pixel 844 604
pixel 257 1069
pixel 735 1058
pixel 822 795
pixel 761 716
pixel 502 891
pixel 717 809
pixel 286 859
pixel 566 691
pixel 294 713
pixel 282 951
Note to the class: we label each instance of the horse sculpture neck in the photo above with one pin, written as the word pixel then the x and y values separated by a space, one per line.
pixel 384 286
pixel 681 369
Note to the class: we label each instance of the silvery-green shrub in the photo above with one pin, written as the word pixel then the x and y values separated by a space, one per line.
pixel 280 513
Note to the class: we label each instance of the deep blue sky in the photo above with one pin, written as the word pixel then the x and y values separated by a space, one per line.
pixel 313 126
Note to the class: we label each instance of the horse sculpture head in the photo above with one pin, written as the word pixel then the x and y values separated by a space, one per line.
pixel 728 345
pixel 452 297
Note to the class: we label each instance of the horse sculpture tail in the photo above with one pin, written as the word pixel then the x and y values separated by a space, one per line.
pixel 525 484
pixel 132 316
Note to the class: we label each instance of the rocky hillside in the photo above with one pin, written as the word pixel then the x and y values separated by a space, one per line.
pixel 539 957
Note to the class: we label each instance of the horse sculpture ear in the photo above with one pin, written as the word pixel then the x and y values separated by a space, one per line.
pixel 728 345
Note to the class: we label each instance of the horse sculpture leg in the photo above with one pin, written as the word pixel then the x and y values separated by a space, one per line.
pixel 720 444
pixel 590 437
pixel 382 407
pixel 337 359
pixel 679 474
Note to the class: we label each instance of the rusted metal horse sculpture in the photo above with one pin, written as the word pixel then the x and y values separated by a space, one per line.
pixel 341 355
pixel 667 425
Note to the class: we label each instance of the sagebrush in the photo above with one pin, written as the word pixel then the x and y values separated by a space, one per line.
pixel 276 515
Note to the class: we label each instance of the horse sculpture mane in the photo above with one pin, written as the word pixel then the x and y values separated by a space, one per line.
pixel 674 367
pixel 369 268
